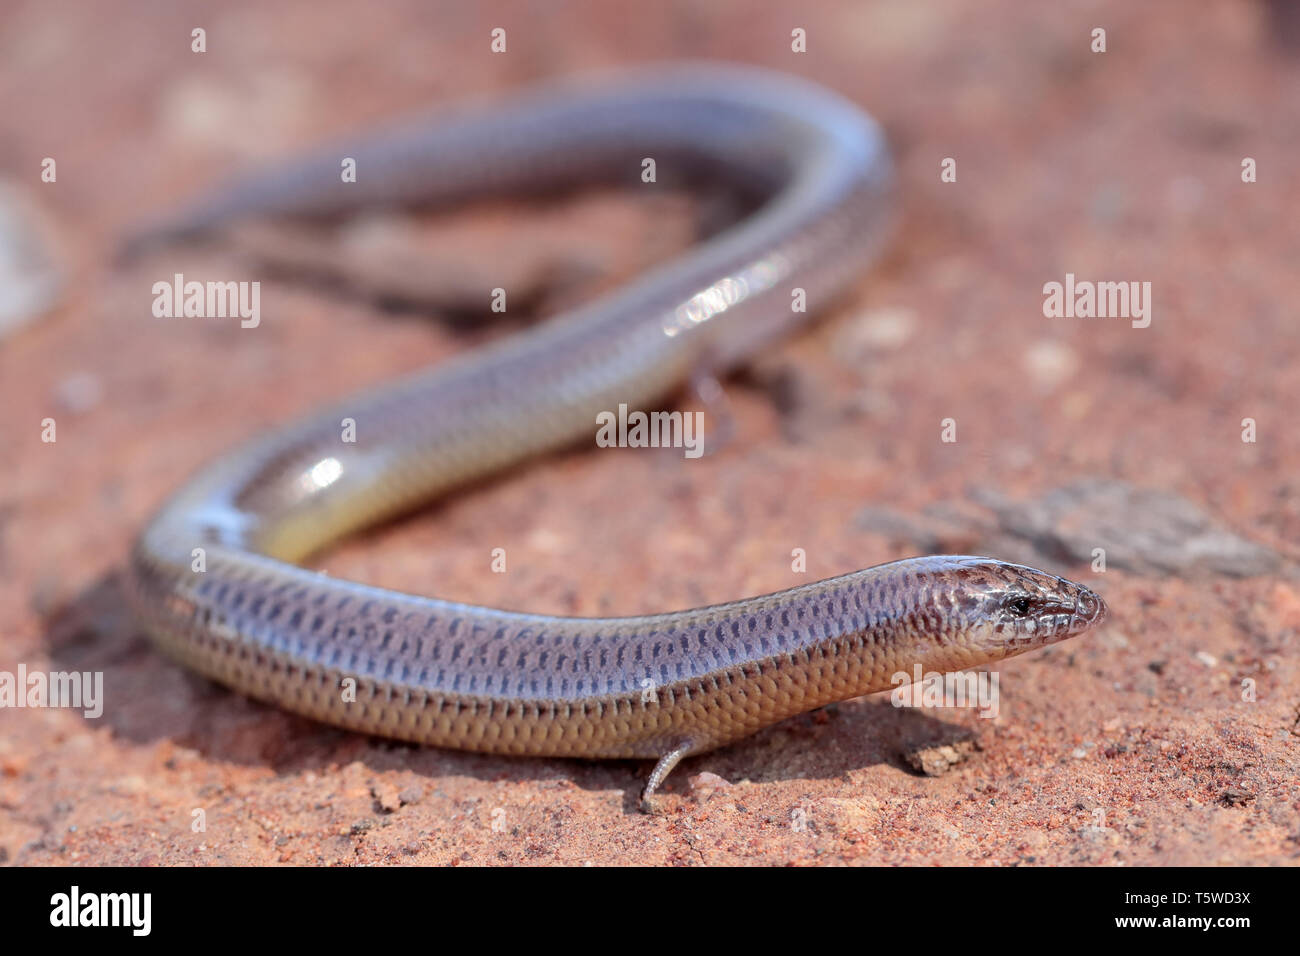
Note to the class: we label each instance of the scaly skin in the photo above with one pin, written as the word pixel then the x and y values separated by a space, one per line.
pixel 456 675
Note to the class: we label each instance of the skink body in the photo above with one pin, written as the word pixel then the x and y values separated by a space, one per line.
pixel 457 675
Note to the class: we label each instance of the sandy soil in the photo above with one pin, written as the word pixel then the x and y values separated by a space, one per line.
pixel 1169 738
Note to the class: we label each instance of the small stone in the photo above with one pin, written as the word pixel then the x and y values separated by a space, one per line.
pixel 78 393
pixel 386 796
pixel 703 785
pixel 936 761
pixel 878 330
pixel 32 277
pixel 1050 364
pixel 1232 797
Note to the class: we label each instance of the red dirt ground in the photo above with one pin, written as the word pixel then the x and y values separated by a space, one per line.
pixel 1132 746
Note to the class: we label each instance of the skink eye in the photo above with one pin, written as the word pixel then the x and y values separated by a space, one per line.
pixel 1019 605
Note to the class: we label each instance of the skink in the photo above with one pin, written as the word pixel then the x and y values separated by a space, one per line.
pixel 455 675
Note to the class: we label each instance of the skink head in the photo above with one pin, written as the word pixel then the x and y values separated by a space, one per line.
pixel 1022 608
pixel 988 609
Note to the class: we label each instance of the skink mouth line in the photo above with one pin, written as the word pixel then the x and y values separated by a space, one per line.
pixel 1055 622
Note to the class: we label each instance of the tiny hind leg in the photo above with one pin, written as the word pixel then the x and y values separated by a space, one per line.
pixel 662 769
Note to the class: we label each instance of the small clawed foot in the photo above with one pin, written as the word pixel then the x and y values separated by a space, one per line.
pixel 648 803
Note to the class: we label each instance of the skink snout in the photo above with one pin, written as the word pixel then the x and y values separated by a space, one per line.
pixel 1089 610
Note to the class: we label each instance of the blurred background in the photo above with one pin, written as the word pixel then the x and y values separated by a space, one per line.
pixel 1072 434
